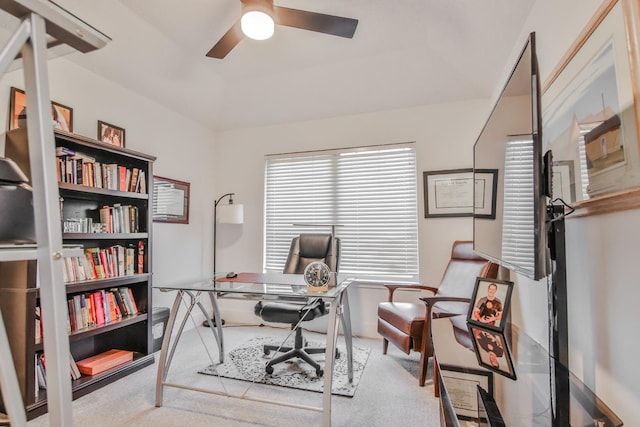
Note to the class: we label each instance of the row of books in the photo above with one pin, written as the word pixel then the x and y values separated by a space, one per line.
pixel 100 307
pixel 41 371
pixel 79 168
pixel 113 219
pixel 119 219
pixel 105 263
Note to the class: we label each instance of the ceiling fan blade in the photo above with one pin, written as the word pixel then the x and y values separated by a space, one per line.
pixel 230 39
pixel 313 21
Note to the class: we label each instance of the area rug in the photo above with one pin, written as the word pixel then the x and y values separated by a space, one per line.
pixel 247 363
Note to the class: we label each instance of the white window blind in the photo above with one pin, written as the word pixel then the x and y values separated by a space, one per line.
pixel 518 246
pixel 369 194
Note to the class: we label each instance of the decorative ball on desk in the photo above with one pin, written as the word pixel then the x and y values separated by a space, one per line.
pixel 317 276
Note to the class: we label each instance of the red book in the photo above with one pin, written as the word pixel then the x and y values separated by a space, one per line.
pixel 98 307
pixel 122 176
pixel 101 362
pixel 140 257
pixel 114 312
pixel 105 263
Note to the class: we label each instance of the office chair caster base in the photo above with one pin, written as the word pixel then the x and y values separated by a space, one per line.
pixel 269 369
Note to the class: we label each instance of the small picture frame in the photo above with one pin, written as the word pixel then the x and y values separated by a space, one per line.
pixel 62 116
pixel 461 386
pixel 170 200
pixel 492 351
pixel 490 303
pixel 111 134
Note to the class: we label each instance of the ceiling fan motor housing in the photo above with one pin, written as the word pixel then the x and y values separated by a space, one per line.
pixel 265 6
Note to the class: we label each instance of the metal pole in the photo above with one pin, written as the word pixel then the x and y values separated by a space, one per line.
pixel 47 222
pixel 215 212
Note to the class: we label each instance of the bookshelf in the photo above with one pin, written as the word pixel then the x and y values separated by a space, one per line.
pixel 122 237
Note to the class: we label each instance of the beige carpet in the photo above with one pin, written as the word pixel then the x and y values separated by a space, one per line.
pixel 388 394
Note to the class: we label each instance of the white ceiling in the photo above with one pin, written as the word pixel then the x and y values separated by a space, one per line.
pixel 404 53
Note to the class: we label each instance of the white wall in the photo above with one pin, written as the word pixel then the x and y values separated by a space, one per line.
pixel 184 150
pixel 444 136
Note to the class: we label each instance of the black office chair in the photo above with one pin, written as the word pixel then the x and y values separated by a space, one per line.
pixel 304 250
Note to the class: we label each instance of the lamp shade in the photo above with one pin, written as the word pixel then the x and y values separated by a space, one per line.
pixel 230 214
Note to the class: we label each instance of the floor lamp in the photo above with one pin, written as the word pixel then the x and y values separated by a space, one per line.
pixel 230 213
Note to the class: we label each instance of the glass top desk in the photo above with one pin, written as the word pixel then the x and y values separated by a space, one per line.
pixel 279 287
pixel 523 402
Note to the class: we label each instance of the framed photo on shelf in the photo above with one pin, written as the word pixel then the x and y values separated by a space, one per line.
pixel 110 134
pixel 591 120
pixel 485 193
pixel 462 386
pixel 490 303
pixel 170 200
pixel 61 115
pixel 492 350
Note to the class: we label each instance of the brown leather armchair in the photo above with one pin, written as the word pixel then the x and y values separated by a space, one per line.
pixel 404 323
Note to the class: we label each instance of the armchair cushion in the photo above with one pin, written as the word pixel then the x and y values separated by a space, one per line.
pixel 402 323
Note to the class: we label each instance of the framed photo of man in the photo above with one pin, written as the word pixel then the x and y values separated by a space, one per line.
pixel 490 303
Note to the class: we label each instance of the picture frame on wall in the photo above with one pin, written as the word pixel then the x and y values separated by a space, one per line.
pixel 492 350
pixel 111 134
pixel 490 303
pixel 452 193
pixel 170 200
pixel 61 115
pixel 590 113
pixel 448 193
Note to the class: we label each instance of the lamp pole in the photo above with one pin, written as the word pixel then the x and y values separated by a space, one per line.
pixel 215 222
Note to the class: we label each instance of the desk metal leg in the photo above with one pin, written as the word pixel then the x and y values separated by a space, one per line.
pixel 218 319
pixel 332 335
pixel 162 363
pixel 345 319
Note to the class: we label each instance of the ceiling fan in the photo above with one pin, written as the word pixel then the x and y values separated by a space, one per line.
pixel 312 21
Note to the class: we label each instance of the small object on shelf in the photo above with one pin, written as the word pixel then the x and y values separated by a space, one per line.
pixel 231 275
pixel 101 362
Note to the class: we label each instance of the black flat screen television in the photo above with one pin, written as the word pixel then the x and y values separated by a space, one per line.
pixel 510 146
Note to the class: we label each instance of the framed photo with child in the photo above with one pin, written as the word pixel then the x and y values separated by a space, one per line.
pixel 490 303
pixel 492 351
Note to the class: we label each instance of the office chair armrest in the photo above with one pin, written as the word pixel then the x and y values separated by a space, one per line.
pixel 395 287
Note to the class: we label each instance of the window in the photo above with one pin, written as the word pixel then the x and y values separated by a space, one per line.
pixel 368 194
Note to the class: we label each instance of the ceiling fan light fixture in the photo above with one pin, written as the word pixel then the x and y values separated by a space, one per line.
pixel 257 25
